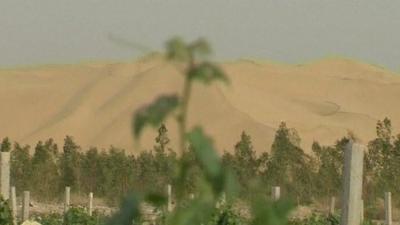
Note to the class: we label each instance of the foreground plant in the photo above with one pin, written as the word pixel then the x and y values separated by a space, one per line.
pixel 215 180
pixel 5 212
pixel 316 219
pixel 50 219
pixel 78 216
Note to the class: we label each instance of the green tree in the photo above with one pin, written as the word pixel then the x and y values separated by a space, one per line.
pixel 91 172
pixel 329 175
pixel 245 161
pixel 379 149
pixel 45 178
pixel 165 161
pixel 146 172
pixel 192 171
pixel 382 162
pixel 21 167
pixel 227 159
pixel 288 166
pixel 118 174
pixel 396 163
pixel 70 164
pixel 380 152
pixel 162 139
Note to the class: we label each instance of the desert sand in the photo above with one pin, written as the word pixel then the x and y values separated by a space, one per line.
pixel 94 102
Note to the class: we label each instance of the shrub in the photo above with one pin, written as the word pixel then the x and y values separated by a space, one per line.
pixel 226 216
pixel 316 219
pixel 5 212
pixel 50 219
pixel 78 216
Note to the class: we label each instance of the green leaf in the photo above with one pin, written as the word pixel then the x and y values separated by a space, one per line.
pixel 177 50
pixel 197 212
pixel 207 158
pixel 128 212
pixel 232 187
pixel 200 48
pixel 5 212
pixel 271 213
pixel 207 72
pixel 154 114
pixel 156 199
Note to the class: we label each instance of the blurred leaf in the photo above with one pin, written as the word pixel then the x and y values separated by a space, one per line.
pixel 208 158
pixel 232 186
pixel 183 171
pixel 177 50
pixel 128 212
pixel 207 72
pixel 198 212
pixel 156 199
pixel 129 44
pixel 205 151
pixel 155 113
pixel 5 212
pixel 200 48
pixel 78 215
pixel 271 213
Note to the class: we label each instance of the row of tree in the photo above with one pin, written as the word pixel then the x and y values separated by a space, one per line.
pixel 113 173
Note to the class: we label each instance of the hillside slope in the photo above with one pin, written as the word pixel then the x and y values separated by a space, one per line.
pixel 94 102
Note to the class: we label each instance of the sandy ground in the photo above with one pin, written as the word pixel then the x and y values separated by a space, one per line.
pixel 151 214
pixel 94 102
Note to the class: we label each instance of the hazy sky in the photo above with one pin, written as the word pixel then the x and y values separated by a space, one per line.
pixel 67 31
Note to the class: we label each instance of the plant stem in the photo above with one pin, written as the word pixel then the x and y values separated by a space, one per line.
pixel 182 118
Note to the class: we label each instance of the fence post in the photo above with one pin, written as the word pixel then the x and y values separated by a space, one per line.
pixel 90 203
pixel 25 206
pixel 169 192
pixel 67 199
pixel 276 193
pixel 332 206
pixel 352 184
pixel 5 175
pixel 388 208
pixel 14 204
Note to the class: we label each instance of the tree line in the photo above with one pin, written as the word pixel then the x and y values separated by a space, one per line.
pixel 112 173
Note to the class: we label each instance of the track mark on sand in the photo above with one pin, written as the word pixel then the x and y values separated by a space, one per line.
pixel 325 108
pixel 72 104
pixel 126 88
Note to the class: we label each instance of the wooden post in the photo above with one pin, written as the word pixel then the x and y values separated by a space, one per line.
pixel 169 192
pixel 352 184
pixel 14 204
pixel 90 203
pixel 388 208
pixel 25 206
pixel 67 199
pixel 5 175
pixel 332 206
pixel 276 193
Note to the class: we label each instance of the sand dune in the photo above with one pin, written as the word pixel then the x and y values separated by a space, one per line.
pixel 94 101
